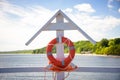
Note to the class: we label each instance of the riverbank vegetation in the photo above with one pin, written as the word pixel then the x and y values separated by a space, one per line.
pixel 103 47
pixel 107 47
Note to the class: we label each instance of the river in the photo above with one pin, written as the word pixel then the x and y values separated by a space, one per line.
pixel 40 60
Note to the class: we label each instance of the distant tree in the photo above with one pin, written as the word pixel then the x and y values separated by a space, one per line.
pixel 104 43
pixel 34 52
pixel 81 46
pixel 111 42
pixel 108 47
pixel 117 41
pixel 38 51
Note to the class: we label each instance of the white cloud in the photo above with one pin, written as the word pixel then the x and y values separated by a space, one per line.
pixel 109 5
pixel 113 4
pixel 68 10
pixel 13 9
pixel 15 32
pixel 37 16
pixel 119 10
pixel 84 8
pixel 96 26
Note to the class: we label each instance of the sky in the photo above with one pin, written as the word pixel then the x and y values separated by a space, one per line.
pixel 21 19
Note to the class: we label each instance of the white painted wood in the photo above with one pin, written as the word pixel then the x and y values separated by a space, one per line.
pixel 34 36
pixel 59 45
pixel 78 28
pixel 86 35
pixel 42 69
pixel 60 26
pixel 60 53
pixel 41 29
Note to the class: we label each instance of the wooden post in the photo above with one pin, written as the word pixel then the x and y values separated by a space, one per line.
pixel 60 53
pixel 60 46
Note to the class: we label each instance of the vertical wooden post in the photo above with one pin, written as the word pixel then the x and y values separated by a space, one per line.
pixel 60 46
pixel 60 53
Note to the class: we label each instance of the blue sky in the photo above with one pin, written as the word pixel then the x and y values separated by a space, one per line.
pixel 20 19
pixel 101 6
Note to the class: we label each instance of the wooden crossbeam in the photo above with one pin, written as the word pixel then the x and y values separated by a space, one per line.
pixel 42 69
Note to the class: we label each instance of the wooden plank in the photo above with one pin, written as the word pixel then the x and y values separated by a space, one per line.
pixel 98 69
pixel 42 69
pixel 60 46
pixel 22 69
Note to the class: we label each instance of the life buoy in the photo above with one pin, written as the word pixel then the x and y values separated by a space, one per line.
pixel 67 60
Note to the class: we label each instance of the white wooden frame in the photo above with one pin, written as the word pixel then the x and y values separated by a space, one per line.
pixel 59 27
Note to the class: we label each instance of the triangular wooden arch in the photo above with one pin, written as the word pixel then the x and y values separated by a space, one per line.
pixel 60 25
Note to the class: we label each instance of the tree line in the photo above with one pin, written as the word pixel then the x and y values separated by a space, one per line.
pixel 104 47
pixel 108 47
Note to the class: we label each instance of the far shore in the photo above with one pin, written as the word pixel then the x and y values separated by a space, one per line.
pixel 88 54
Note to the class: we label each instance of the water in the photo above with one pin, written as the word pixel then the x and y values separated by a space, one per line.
pixel 40 60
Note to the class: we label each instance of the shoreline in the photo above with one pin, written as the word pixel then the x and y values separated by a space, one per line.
pixel 98 55
pixel 88 54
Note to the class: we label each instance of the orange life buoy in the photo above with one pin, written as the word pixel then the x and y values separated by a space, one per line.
pixel 67 60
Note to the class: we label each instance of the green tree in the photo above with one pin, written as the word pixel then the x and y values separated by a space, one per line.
pixel 83 46
pixel 111 42
pixel 108 47
pixel 104 43
pixel 34 51
pixel 117 41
